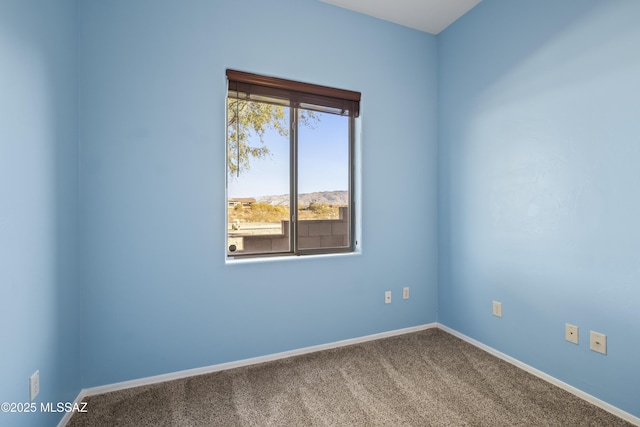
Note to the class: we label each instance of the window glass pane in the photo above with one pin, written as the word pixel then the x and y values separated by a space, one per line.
pixel 323 181
pixel 257 177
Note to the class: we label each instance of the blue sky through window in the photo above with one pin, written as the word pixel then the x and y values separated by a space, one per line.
pixel 323 161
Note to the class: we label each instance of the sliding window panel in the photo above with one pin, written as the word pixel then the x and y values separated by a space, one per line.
pixel 324 181
pixel 258 178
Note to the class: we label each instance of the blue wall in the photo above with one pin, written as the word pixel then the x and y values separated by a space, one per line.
pixel 39 302
pixel 539 154
pixel 158 295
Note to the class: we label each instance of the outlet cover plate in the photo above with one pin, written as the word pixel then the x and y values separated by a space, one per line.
pixel 387 297
pixel 34 385
pixel 497 309
pixel 598 342
pixel 571 333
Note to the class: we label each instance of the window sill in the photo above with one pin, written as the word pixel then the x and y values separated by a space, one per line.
pixel 286 258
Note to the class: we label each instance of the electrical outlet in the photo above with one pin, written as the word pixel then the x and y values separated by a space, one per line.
pixel 598 342
pixel 571 333
pixel 387 297
pixel 497 309
pixel 34 385
pixel 405 293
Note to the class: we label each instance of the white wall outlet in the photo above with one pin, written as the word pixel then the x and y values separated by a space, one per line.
pixel 405 293
pixel 387 297
pixel 34 385
pixel 571 333
pixel 497 309
pixel 598 342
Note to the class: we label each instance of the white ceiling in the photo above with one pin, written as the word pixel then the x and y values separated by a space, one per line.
pixel 431 16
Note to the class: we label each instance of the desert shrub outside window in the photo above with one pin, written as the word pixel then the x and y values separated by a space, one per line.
pixel 290 167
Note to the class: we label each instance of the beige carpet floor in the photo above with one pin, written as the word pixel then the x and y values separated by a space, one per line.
pixel 427 378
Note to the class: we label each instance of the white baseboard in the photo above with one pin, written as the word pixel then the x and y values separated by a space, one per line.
pixel 237 364
pixel 67 416
pixel 581 394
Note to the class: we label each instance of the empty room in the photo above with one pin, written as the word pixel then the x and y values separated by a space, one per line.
pixel 319 212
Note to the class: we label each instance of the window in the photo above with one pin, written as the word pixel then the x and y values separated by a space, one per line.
pixel 290 166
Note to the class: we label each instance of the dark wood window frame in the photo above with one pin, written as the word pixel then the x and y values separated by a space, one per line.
pixel 304 93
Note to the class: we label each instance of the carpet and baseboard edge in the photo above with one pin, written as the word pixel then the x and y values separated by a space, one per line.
pixel 548 378
pixel 237 364
pixel 276 356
